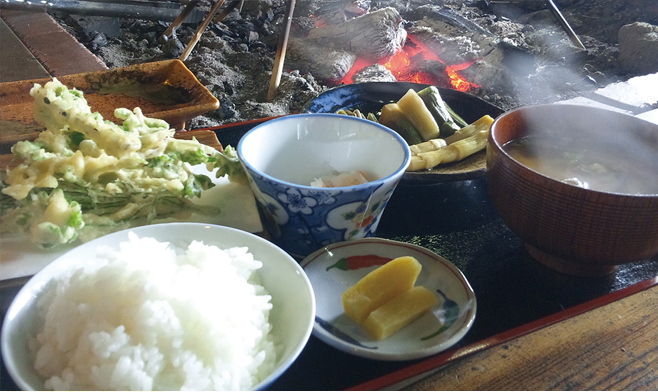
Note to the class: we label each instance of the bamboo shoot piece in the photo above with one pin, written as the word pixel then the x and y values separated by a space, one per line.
pixel 427 146
pixel 452 152
pixel 416 163
pixel 471 129
pixel 393 118
pixel 414 109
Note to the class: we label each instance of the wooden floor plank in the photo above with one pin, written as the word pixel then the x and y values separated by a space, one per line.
pixel 57 50
pixel 613 347
pixel 16 61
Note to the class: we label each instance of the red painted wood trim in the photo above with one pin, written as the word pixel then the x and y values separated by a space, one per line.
pixel 236 124
pixel 57 50
pixel 435 362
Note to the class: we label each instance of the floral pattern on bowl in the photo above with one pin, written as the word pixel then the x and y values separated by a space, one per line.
pixel 283 157
pixel 306 219
pixel 338 266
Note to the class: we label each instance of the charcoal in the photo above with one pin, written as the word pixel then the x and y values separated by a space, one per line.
pixel 325 64
pixel 451 50
pixel 173 47
pixel 335 12
pixel 98 41
pixel 373 73
pixel 227 110
pixel 375 36
pixel 91 25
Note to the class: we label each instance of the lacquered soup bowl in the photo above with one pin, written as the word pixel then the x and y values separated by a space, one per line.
pixel 568 228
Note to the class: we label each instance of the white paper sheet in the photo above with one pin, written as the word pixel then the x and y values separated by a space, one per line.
pixel 20 258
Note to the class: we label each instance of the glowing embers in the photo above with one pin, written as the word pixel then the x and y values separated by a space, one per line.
pixel 416 63
pixel 456 80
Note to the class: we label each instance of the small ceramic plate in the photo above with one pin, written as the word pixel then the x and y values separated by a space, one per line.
pixel 336 267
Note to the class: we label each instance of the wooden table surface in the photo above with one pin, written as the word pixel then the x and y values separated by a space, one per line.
pixel 612 347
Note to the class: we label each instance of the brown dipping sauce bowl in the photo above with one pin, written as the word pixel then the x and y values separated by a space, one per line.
pixel 573 230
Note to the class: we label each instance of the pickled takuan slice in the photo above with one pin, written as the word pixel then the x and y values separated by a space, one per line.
pixel 398 312
pixel 380 286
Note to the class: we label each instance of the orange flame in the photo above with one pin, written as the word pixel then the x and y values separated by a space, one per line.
pixel 457 81
pixel 400 61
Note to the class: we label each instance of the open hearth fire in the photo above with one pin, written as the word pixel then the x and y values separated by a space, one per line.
pixel 378 47
pixel 414 62
pixel 510 53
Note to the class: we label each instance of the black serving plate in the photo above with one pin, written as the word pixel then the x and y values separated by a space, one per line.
pixel 372 96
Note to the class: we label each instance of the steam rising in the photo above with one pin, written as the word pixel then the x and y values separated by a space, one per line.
pixel 591 148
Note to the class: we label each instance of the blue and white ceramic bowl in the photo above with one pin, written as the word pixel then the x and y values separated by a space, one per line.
pixel 282 157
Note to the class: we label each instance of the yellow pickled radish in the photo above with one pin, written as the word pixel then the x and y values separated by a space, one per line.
pixel 379 287
pixel 399 312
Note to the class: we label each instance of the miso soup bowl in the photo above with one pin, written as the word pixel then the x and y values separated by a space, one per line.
pixel 573 230
pixel 282 158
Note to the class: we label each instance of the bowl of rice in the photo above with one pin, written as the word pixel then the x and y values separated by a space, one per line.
pixel 161 307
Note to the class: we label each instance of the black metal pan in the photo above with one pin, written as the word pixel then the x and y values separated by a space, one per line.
pixel 371 96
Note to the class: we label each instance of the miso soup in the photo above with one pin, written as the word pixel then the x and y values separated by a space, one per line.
pixel 617 168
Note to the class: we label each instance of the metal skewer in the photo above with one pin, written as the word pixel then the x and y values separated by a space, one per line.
pixel 557 14
pixel 565 25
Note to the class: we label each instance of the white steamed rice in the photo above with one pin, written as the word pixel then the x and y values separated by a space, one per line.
pixel 150 317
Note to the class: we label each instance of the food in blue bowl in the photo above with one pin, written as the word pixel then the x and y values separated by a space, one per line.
pixel 288 158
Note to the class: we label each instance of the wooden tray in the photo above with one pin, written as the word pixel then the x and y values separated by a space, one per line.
pixel 164 89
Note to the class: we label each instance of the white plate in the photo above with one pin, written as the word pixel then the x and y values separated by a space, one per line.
pixel 19 257
pixel 435 331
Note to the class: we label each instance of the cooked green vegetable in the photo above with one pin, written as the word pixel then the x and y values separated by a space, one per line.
pixel 418 116
pixel 373 117
pixel 434 103
pixel 85 176
pixel 460 121
pixel 358 113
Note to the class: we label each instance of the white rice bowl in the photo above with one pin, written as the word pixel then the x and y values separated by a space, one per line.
pixel 149 315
